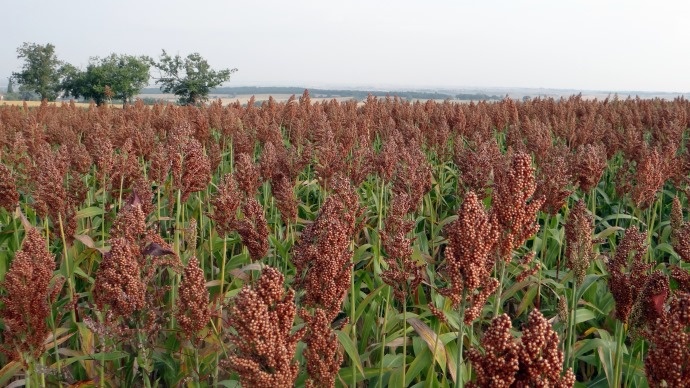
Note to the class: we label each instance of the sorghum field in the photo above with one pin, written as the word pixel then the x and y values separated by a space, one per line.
pixel 390 243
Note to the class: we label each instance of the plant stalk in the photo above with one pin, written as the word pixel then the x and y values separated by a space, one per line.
pixel 617 375
pixel 459 378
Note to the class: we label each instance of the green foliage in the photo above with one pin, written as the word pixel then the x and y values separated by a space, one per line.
pixel 116 76
pixel 42 70
pixel 190 78
pixel 477 96
pixel 11 94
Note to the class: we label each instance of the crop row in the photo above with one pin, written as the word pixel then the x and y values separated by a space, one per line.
pixel 390 243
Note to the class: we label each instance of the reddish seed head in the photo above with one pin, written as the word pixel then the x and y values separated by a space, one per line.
pixel 26 304
pixel 262 316
pixel 9 197
pixel 514 206
pixel 193 312
pixel 471 238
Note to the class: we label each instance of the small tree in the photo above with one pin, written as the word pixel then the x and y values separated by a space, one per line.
pixel 41 71
pixel 191 78
pixel 10 86
pixel 116 76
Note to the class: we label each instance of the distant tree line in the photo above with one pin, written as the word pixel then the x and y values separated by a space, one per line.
pixel 332 93
pixel 12 94
pixel 325 93
pixel 355 94
pixel 115 77
pixel 477 97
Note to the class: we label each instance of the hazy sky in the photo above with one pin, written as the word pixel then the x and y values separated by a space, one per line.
pixel 588 44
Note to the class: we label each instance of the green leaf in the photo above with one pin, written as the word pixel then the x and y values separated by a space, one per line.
pixel 584 315
pixel 110 356
pixel 586 284
pixel 350 348
pixel 9 371
pixel 420 363
pixel 434 343
pixel 665 247
pixel 620 216
pixel 80 272
pixel 448 220
pixel 527 300
pixel 395 379
pixel 89 212
pixel 365 302
pixel 369 373
pixel 230 384
pixel 607 232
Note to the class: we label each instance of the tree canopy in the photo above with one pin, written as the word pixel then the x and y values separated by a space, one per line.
pixel 115 76
pixel 42 70
pixel 190 78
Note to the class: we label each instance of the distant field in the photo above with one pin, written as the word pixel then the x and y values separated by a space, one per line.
pixel 242 98
pixel 38 103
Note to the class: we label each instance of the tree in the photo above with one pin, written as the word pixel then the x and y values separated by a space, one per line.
pixel 41 72
pixel 116 76
pixel 11 94
pixel 190 78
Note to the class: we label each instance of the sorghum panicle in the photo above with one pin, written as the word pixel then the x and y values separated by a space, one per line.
pixel 323 355
pixel 468 263
pixel 28 297
pixel 361 162
pixel 578 239
pixel 49 194
pixel 193 312
pixel 118 280
pixel 386 160
pixel 682 278
pixel 284 194
pixel 514 204
pixel 650 300
pixel 627 280
pixel 262 316
pixel 541 359
pixel 475 163
pixel 9 196
pixel 500 362
pixel 268 162
pixel 666 362
pixel 322 257
pixel 680 231
pixel 398 248
pixel 225 204
pixel 196 169
pixel 253 229
pixel 652 171
pixel 589 165
pixel 413 175
pixel 478 299
pixel 534 361
pixel 553 180
pixel 130 222
pixel 247 174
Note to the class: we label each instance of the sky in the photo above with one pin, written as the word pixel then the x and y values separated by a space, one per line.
pixel 587 44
